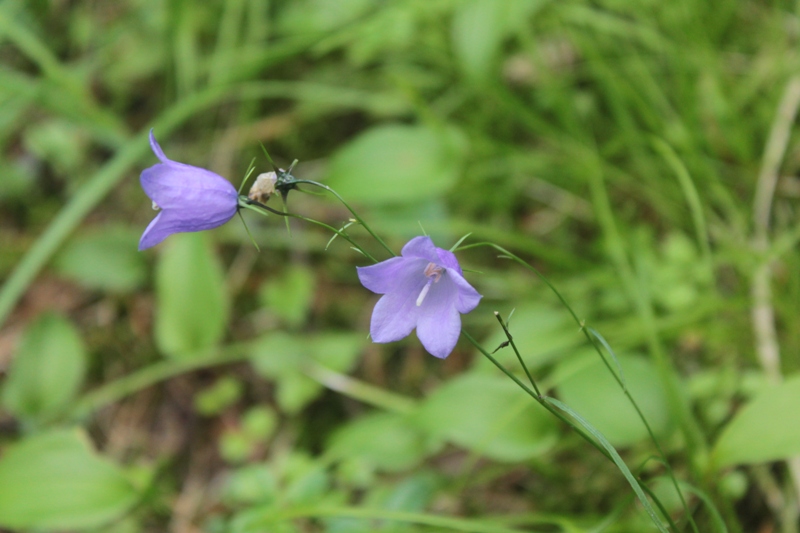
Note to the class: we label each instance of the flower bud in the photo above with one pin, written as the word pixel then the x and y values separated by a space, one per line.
pixel 263 188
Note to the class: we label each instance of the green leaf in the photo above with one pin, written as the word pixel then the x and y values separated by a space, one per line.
pixel 766 429
pixel 396 164
pixel 55 481
pixel 386 440
pixel 290 295
pixel 192 307
pixel 477 35
pixel 106 259
pixel 586 385
pixel 479 28
pixel 213 400
pixel 489 415
pixel 282 357
pixel 47 370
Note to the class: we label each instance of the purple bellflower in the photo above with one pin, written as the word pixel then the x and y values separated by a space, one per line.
pixel 190 198
pixel 424 288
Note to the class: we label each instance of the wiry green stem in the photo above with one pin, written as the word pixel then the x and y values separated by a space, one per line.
pixel 352 212
pixel 259 208
pixel 594 345
pixel 535 395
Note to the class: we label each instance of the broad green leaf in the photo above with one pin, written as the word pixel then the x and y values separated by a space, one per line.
pixel 396 164
pixel 55 480
pixel 766 429
pixel 290 296
pixel 386 440
pixel 283 358
pixel 479 28
pixel 105 259
pixel 63 144
pixel 192 299
pixel 585 384
pixel 47 370
pixel 295 391
pixel 490 415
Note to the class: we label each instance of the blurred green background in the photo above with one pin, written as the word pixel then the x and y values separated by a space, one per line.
pixel 642 155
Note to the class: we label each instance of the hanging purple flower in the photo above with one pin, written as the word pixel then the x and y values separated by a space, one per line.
pixel 190 198
pixel 423 289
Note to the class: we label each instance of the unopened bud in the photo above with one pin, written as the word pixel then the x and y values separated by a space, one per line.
pixel 263 188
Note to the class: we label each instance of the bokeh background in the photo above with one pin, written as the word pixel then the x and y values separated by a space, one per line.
pixel 642 155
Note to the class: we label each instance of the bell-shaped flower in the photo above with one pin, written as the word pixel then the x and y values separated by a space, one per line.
pixel 425 289
pixel 190 198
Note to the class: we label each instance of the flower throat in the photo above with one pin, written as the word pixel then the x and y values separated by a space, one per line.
pixel 434 273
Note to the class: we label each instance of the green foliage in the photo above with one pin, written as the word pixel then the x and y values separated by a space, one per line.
pixel 192 300
pixel 585 384
pixel 386 441
pixel 105 259
pixel 617 146
pixel 490 416
pixel 284 358
pixel 222 394
pixel 290 295
pixel 771 416
pixel 542 334
pixel 47 371
pixel 480 28
pixel 54 481
pixel 396 164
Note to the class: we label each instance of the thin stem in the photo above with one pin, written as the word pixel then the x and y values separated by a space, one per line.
pixel 514 347
pixel 594 344
pixel 257 206
pixel 257 520
pixel 763 312
pixel 150 375
pixel 539 398
pixel 355 215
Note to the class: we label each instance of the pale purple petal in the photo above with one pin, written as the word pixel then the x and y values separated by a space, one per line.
pixel 394 317
pixel 421 247
pixel 152 235
pixel 381 278
pixel 425 289
pixel 187 187
pixel 191 198
pixel 447 259
pixel 157 149
pixel 395 314
pixel 468 297
pixel 438 322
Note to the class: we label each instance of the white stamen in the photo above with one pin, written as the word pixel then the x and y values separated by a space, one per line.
pixel 424 292
pixel 156 207
pixel 434 273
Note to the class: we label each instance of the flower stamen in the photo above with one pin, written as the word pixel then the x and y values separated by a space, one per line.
pixel 434 273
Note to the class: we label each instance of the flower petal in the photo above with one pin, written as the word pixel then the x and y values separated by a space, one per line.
pixel 468 297
pixel 395 314
pixel 448 259
pixel 383 277
pixel 157 149
pixel 153 234
pixel 421 247
pixel 178 186
pixel 439 324
pixel 393 318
